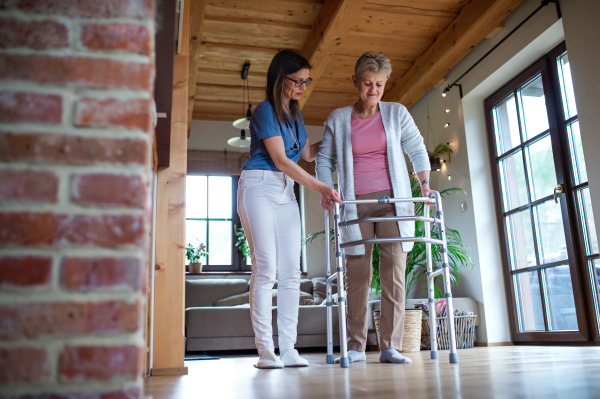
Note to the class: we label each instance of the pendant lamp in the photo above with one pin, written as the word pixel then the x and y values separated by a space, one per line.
pixel 242 141
pixel 243 123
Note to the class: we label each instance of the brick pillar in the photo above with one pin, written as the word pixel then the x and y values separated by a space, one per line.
pixel 76 81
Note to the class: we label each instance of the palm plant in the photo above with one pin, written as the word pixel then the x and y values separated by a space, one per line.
pixel 416 261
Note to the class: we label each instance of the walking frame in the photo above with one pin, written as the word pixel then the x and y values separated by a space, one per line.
pixel 438 221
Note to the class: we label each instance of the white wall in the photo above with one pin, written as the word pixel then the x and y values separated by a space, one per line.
pixel 470 166
pixel 582 35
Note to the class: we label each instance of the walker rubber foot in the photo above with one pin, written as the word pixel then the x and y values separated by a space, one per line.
pixel 434 355
pixel 454 358
pixel 329 359
pixel 344 363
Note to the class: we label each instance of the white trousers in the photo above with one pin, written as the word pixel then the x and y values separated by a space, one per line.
pixel 271 219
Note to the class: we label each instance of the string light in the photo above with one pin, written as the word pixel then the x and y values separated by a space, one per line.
pixel 444 94
pixel 447 111
pixel 447 124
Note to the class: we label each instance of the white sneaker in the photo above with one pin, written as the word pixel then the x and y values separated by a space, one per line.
pixel 268 360
pixel 291 358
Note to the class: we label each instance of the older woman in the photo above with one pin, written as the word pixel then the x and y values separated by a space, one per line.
pixel 366 142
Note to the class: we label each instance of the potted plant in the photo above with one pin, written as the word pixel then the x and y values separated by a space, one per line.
pixel 242 243
pixel 194 255
pixel 434 157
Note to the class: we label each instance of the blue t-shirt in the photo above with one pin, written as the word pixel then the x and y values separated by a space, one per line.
pixel 264 123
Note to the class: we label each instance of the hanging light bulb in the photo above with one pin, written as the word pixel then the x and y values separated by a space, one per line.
pixel 240 141
pixel 449 177
pixel 444 94
pixel 448 111
pixel 447 124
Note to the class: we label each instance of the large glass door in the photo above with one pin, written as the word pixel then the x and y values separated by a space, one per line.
pixel 577 182
pixel 543 269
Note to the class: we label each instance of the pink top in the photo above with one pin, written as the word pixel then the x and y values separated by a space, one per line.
pixel 369 150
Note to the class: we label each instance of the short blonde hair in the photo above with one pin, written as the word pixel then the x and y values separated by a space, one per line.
pixel 373 63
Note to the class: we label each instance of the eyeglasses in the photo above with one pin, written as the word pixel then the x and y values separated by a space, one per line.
pixel 299 83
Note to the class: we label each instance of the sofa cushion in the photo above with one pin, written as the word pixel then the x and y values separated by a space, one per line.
pixel 234 300
pixel 306 299
pixel 204 292
pixel 319 288
pixel 306 285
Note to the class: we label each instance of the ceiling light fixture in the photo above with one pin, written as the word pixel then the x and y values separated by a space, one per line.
pixel 243 123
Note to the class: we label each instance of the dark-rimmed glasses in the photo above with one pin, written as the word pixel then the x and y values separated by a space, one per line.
pixel 299 83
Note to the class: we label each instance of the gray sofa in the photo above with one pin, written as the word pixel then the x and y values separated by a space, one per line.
pixel 217 315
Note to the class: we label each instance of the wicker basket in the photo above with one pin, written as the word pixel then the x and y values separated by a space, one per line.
pixel 465 332
pixel 411 339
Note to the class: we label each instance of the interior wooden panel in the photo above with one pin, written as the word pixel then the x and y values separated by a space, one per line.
pixel 232 57
pixel 230 78
pixel 441 5
pixel 303 13
pixel 249 33
pixel 239 31
pixel 389 20
pixel 403 48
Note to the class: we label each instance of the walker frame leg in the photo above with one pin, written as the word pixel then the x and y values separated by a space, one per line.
pixel 447 281
pixel 344 363
pixel 430 287
pixel 329 303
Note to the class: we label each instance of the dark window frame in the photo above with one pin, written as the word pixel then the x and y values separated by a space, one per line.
pixel 577 258
pixel 237 261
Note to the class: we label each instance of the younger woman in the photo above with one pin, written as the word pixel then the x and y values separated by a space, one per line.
pixel 268 208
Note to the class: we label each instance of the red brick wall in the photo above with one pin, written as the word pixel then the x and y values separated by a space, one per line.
pixel 76 80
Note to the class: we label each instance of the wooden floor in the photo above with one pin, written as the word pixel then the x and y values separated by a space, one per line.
pixel 497 372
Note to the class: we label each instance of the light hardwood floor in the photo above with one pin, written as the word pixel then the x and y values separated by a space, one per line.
pixel 483 372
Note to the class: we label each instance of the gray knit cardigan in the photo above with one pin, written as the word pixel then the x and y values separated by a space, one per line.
pixel 336 149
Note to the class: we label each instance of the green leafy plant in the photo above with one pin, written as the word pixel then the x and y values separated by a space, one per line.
pixel 416 261
pixel 242 243
pixel 441 149
pixel 194 253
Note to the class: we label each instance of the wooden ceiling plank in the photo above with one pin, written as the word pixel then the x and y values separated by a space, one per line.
pixel 398 9
pixel 197 11
pixel 436 5
pixel 254 35
pixel 332 24
pixel 473 23
pixel 405 24
pixel 230 78
pixel 229 93
pixel 233 57
pixel 271 10
pixel 402 48
pixel 258 21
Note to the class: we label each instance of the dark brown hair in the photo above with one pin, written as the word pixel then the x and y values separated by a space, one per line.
pixel 284 63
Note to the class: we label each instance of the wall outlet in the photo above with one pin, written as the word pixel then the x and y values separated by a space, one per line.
pixel 463 206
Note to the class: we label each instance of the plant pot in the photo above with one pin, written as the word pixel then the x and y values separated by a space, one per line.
pixel 411 338
pixel 195 267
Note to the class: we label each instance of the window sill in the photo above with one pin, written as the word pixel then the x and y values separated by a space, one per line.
pixel 217 273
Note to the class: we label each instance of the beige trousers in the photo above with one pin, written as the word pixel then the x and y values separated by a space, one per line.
pixel 392 266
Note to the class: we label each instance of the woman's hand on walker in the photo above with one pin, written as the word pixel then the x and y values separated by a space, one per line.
pixel 426 191
pixel 328 195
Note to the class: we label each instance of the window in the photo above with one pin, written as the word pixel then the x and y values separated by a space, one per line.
pixel 212 219
pixel 537 154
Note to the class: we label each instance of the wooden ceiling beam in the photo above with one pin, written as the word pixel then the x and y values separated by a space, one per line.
pixel 474 22
pixel 197 11
pixel 334 20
